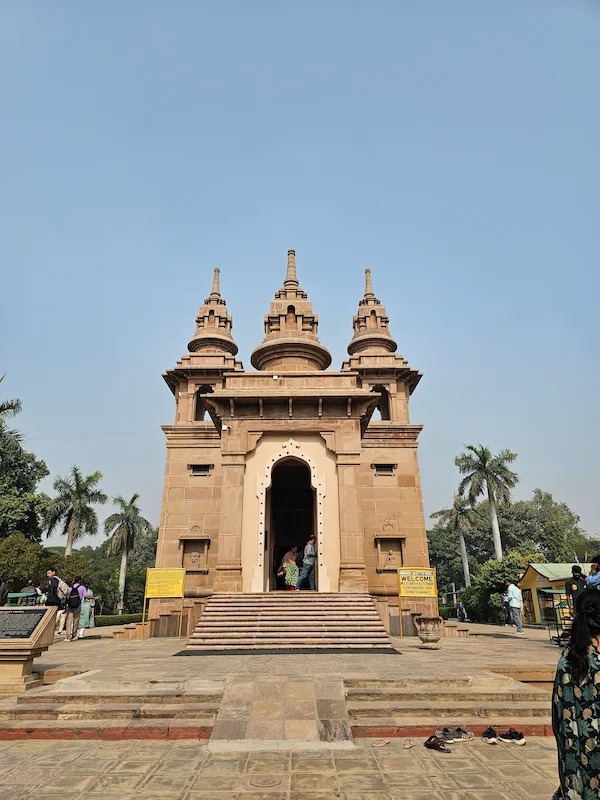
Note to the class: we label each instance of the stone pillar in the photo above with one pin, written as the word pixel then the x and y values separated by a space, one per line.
pixel 229 561
pixel 353 570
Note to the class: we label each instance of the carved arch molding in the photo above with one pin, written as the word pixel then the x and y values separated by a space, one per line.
pixel 291 450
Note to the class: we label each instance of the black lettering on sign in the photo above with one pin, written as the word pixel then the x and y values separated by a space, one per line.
pixel 19 623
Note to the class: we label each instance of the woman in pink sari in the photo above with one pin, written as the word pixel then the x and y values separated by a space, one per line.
pixel 290 568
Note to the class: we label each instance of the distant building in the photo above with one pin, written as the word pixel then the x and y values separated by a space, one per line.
pixel 543 588
pixel 258 460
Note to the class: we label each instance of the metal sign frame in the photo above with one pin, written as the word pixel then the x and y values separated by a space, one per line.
pixel 175 595
pixel 400 570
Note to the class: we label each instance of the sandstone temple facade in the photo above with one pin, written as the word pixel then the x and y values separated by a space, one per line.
pixel 257 460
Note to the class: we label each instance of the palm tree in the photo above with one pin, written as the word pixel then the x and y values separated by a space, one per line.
pixel 9 438
pixel 72 507
pixel 125 529
pixel 459 519
pixel 485 471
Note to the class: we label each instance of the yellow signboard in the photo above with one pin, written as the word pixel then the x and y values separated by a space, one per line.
pixel 417 582
pixel 165 582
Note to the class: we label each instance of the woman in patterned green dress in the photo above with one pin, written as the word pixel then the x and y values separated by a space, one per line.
pixel 576 704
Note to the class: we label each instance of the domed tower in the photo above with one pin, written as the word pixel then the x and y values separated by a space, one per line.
pixel 213 324
pixel 373 355
pixel 291 343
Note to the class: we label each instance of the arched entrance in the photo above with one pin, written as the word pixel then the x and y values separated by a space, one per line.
pixel 291 515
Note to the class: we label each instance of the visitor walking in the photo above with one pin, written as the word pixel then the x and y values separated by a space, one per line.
pixel 461 611
pixel 308 565
pixel 515 601
pixel 74 599
pixel 576 705
pixel 289 568
pixel 574 586
pixel 56 595
pixel 86 616
pixel 506 608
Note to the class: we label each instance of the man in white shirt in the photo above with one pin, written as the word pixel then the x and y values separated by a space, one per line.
pixel 515 601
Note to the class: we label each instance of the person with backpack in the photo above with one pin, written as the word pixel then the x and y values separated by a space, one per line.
pixel 56 595
pixel 74 599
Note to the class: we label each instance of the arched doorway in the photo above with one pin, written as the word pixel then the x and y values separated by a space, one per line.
pixel 290 520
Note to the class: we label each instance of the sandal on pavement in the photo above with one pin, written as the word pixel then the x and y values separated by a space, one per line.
pixel 408 744
pixel 381 742
pixel 433 743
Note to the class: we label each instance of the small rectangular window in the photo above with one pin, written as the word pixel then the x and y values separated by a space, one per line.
pixel 200 469
pixel 384 469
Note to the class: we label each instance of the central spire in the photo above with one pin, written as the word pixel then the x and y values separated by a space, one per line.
pixel 290 276
pixel 291 343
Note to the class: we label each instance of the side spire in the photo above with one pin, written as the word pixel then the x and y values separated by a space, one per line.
pixel 290 276
pixel 368 284
pixel 215 287
pixel 371 333
pixel 213 324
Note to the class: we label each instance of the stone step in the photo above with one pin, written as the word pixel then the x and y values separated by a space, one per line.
pixel 402 727
pixel 236 644
pixel 203 713
pixel 366 681
pixel 90 698
pixel 398 695
pixel 105 729
pixel 295 636
pixel 310 632
pixel 447 709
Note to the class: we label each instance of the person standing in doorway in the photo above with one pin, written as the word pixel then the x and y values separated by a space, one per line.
pixel 308 565
pixel 515 601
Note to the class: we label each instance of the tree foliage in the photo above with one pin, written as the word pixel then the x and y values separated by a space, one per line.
pixel 21 507
pixel 10 439
pixel 72 508
pixel 541 526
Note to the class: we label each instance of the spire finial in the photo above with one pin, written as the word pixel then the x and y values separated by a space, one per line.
pixel 215 287
pixel 368 284
pixel 290 276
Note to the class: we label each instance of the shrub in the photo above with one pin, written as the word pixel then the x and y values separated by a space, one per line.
pixel 115 619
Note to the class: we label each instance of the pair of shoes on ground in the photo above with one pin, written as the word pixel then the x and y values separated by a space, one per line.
pixel 511 736
pixel 447 736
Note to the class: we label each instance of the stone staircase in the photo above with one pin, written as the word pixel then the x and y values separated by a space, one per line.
pixel 289 622
pixel 129 712
pixel 412 706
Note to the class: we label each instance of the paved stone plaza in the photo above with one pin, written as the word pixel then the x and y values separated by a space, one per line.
pixel 187 771
pixel 290 694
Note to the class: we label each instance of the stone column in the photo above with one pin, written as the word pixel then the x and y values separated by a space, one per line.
pixel 353 570
pixel 229 561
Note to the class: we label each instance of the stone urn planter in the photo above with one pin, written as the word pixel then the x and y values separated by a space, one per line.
pixel 429 631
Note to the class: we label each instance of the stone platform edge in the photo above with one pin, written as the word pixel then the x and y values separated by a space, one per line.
pixel 418 731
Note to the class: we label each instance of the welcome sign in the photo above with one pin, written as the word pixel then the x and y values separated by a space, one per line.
pixel 416 582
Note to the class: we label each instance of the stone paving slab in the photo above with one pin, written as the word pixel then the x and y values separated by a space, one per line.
pixel 189 771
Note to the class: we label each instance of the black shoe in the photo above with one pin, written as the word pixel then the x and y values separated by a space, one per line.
pixel 513 736
pixel 489 736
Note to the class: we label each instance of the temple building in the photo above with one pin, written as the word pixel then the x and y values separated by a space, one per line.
pixel 257 460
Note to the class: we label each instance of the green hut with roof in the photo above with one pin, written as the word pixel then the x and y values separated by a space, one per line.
pixel 543 587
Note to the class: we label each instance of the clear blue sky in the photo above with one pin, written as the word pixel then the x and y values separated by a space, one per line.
pixel 450 146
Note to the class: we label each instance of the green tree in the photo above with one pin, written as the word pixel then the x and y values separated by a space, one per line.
pixel 144 554
pixel 72 507
pixel 20 561
pixel 483 600
pixel 21 507
pixel 459 519
pixel 125 528
pixel 9 438
pixel 485 471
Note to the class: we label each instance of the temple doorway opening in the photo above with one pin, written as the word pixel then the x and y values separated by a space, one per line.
pixel 291 514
